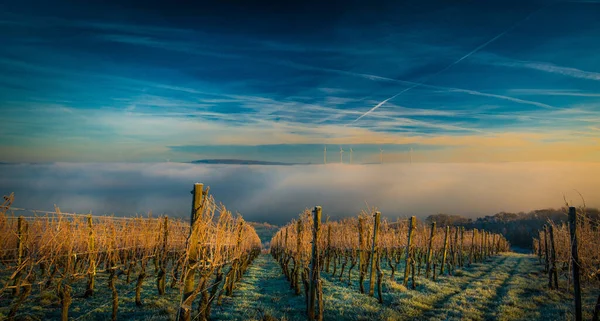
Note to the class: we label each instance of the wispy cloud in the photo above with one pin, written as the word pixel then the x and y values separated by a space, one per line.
pixel 413 85
pixel 117 90
pixel 455 62
pixel 551 68
pixel 553 92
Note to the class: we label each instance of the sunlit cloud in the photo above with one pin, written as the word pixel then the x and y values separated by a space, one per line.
pixel 278 193
pixel 118 90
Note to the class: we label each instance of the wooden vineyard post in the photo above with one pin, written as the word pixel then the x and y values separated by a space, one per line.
pixel 361 253
pixel 540 248
pixel 455 248
pixel 411 228
pixel 328 257
pixel 374 253
pixel 20 237
pixel 314 270
pixel 481 248
pixel 553 273
pixel 484 245
pixel 192 255
pixel 92 259
pixel 444 254
pixel 460 249
pixel 575 262
pixel 285 256
pixel 297 260
pixel 162 273
pixel 472 249
pixel 429 250
pixel 547 258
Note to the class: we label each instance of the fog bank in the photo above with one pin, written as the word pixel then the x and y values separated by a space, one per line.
pixel 277 193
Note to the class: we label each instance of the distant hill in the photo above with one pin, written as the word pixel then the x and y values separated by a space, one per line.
pixel 265 231
pixel 518 228
pixel 242 162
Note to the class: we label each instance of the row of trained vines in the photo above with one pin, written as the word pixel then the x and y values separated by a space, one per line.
pixel 407 249
pixel 68 254
pixel 570 254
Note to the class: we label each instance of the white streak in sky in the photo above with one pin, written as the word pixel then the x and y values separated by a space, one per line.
pixel 516 100
pixel 450 65
pixel 565 71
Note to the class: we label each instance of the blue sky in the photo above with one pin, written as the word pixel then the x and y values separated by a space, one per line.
pixel 455 81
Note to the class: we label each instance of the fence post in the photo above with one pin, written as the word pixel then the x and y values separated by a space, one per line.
pixel 17 280
pixel 192 248
pixel 429 250
pixel 540 248
pixel 361 255
pixel 314 270
pixel 92 259
pixel 547 257
pixel 575 262
pixel 472 249
pixel 298 258
pixel 455 248
pixel 482 249
pixel 411 228
pixel 162 274
pixel 328 255
pixel 553 270
pixel 373 253
pixel 445 249
pixel 460 251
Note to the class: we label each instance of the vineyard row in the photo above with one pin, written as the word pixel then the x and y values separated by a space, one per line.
pixel 305 247
pixel 204 258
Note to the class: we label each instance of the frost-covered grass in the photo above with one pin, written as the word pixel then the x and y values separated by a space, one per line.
pixel 44 304
pixel 508 287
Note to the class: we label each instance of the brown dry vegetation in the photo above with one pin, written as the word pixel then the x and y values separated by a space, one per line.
pixel 55 250
pixel 558 263
pixel 348 245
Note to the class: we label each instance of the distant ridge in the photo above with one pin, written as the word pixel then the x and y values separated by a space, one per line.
pixel 242 162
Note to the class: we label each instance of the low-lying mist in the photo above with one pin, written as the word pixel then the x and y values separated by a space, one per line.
pixel 276 194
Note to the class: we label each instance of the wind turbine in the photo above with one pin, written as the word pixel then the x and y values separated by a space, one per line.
pixel 381 155
pixel 325 155
pixel 351 155
pixel 341 155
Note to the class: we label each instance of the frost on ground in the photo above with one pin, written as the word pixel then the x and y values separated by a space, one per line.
pixel 507 287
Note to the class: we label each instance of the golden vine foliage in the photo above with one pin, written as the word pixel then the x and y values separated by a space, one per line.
pixel 77 246
pixel 588 236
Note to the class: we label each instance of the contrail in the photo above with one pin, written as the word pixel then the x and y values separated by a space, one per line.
pixel 450 65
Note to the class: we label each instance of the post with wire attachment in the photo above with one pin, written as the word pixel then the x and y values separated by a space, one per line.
pixel 429 251
pixel 412 224
pixel 20 249
pixel 92 259
pixel 445 252
pixel 314 291
pixel 192 255
pixel 575 262
pixel 374 249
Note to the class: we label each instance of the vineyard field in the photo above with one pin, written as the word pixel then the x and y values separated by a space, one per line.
pixel 509 287
pixel 65 266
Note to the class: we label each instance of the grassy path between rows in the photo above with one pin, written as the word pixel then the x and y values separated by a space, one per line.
pixel 507 287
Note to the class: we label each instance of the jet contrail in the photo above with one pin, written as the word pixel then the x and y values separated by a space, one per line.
pixel 450 65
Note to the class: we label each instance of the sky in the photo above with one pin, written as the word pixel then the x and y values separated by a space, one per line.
pixel 149 81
